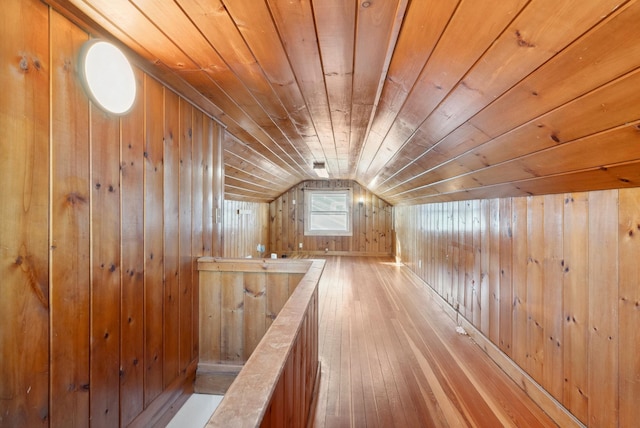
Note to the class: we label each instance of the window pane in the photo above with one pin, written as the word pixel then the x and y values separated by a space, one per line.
pixel 327 212
pixel 329 221
pixel 328 202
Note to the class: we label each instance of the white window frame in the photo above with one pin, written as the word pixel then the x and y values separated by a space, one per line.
pixel 310 230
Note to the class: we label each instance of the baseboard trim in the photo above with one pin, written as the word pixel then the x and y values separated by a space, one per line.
pixel 533 389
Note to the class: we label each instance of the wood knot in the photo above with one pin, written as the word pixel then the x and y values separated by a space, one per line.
pixel 24 64
pixel 522 42
pixel 75 198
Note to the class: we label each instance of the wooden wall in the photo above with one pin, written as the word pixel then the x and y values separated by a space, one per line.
pixel 245 225
pixel 102 221
pixel 372 223
pixel 554 281
pixel 279 380
pixel 239 301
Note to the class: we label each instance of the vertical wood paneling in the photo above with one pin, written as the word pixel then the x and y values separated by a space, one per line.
pixel 171 209
pixel 24 210
pixel 208 133
pixel 603 308
pixel 70 231
pixel 275 386
pixel 462 257
pixel 153 241
pixel 105 269
pixel 197 217
pixel 450 249
pixel 506 291
pixel 485 292
pixel 232 317
pixel 255 308
pixel 455 254
pixel 278 286
pixel 371 222
pixel 185 245
pixel 210 316
pixel 629 306
pixel 553 372
pixel 132 267
pixel 217 189
pixel 476 269
pixel 240 299
pixel 494 270
pixel 519 280
pixel 109 316
pixel 245 225
pixel 535 287
pixel 562 285
pixel 576 304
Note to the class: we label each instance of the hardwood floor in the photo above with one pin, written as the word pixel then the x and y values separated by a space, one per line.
pixel 391 357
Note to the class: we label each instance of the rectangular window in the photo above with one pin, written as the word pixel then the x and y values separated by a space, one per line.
pixel 327 212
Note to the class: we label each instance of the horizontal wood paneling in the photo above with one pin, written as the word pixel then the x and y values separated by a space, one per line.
pixel 99 236
pixel 372 232
pixel 562 269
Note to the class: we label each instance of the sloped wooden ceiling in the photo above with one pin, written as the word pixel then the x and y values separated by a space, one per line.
pixel 419 100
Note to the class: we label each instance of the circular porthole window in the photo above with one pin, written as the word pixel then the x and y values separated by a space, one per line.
pixel 107 76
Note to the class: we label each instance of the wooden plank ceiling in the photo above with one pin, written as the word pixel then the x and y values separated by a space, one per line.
pixel 419 100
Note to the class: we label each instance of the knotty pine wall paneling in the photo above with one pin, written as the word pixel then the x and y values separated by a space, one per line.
pixel 629 304
pixel 245 225
pixel 603 285
pixel 103 218
pixel 153 240
pixel 187 264
pixel 24 237
pixel 70 229
pixel 575 279
pixel 560 276
pixel 105 269
pixel 217 190
pixel 372 231
pixel 197 216
pixel 132 150
pixel 171 205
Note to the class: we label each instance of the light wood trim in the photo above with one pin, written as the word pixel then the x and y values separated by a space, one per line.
pixel 216 264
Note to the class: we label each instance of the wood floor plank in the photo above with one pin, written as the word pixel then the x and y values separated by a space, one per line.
pixel 391 357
